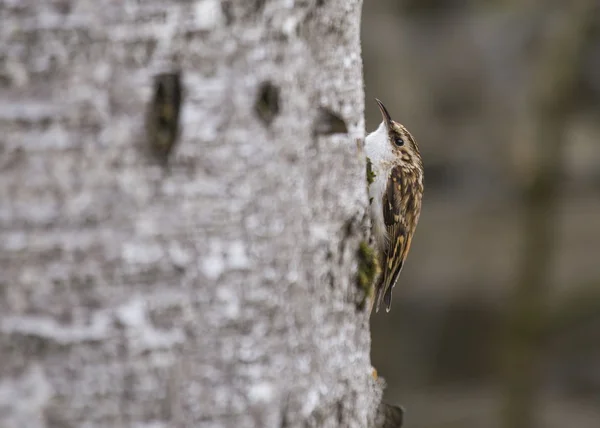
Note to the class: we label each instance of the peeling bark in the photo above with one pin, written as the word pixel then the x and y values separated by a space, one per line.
pixel 215 286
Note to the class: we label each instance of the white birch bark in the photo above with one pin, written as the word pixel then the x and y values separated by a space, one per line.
pixel 219 291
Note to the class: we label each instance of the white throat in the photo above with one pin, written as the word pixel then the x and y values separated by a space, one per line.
pixel 377 146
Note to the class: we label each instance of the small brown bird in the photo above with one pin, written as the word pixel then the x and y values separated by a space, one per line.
pixel 395 179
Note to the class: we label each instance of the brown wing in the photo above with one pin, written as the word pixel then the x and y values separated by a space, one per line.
pixel 401 205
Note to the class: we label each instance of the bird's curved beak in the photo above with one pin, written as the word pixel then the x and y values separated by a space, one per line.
pixel 387 119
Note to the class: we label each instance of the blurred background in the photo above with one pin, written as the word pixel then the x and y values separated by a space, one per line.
pixel 496 317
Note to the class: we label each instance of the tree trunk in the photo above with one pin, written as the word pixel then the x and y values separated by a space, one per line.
pixel 211 282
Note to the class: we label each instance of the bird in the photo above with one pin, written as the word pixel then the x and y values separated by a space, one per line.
pixel 395 189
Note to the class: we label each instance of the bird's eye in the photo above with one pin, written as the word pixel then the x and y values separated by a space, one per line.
pixel 399 141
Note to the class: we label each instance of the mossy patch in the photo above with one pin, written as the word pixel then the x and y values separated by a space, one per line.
pixel 368 269
pixel 370 174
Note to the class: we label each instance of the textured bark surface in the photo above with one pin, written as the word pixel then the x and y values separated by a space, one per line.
pixel 218 291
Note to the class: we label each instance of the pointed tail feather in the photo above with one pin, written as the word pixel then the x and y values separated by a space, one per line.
pixel 380 287
pixel 387 298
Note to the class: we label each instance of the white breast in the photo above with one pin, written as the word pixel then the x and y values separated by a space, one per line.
pixel 379 151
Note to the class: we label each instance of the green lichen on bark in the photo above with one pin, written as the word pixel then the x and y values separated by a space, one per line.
pixel 368 269
pixel 370 174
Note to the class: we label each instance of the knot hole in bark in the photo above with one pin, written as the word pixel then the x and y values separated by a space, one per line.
pixel 328 122
pixel 162 119
pixel 267 102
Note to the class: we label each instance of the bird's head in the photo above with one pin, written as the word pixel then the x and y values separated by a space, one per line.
pixel 391 142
